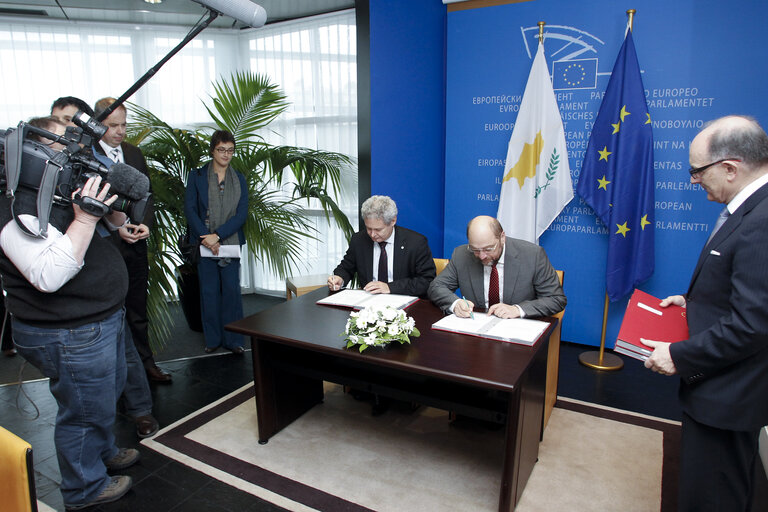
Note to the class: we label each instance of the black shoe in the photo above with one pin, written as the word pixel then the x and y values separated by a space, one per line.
pixel 211 350
pixel 155 374
pixel 146 426
pixel 380 405
pixel 238 351
pixel 115 489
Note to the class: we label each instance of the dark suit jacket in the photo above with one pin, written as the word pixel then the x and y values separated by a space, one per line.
pixel 133 157
pixel 529 280
pixel 724 364
pixel 412 266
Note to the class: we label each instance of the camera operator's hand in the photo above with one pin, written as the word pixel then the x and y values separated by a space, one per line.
pixel 80 231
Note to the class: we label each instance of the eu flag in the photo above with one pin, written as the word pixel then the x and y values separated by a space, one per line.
pixel 617 175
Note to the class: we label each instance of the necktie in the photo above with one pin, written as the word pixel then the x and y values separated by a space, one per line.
pixel 382 276
pixel 115 153
pixel 719 223
pixel 493 287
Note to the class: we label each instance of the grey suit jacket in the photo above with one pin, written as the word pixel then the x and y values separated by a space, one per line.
pixel 529 280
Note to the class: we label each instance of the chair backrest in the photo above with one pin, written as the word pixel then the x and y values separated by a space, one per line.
pixel 440 264
pixel 17 477
pixel 553 363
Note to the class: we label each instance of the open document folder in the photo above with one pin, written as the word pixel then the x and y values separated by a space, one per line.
pixel 359 299
pixel 514 330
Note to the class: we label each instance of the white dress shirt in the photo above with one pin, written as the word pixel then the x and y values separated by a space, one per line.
pixel 47 263
pixel 115 154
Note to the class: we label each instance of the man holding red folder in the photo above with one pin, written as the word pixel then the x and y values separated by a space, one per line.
pixel 724 364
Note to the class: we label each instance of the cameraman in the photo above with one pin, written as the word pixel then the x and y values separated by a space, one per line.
pixel 65 293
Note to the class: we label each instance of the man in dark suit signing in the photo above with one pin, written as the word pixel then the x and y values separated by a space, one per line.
pixel 509 278
pixel 386 258
pixel 723 366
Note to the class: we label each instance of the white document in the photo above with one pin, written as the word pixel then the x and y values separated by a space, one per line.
pixel 225 251
pixel 516 330
pixel 359 299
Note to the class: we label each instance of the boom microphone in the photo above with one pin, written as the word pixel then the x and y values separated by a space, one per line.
pixel 243 11
pixel 126 180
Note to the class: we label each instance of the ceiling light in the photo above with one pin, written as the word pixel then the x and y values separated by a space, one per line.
pixel 154 1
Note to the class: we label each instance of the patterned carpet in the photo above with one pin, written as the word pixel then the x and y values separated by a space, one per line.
pixel 338 457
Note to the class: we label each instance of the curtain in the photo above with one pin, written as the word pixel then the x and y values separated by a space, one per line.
pixel 315 62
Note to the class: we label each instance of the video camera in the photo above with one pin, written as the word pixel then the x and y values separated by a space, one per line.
pixel 55 175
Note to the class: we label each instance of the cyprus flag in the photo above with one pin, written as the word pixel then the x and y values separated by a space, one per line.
pixel 537 180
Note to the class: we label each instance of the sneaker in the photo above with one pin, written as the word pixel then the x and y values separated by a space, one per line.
pixel 115 489
pixel 126 457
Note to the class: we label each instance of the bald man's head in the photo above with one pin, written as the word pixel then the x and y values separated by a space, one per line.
pixel 485 238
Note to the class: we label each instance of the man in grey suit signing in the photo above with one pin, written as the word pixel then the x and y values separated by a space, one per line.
pixel 509 278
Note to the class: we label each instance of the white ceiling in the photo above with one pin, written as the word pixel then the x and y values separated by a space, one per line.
pixel 169 12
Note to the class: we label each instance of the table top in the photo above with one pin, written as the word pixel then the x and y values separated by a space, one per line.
pixel 466 359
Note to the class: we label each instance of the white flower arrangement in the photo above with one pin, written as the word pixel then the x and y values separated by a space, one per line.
pixel 379 326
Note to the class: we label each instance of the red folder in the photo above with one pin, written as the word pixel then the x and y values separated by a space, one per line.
pixel 644 318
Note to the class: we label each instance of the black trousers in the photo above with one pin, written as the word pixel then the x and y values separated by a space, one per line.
pixel 135 257
pixel 717 468
pixel 5 324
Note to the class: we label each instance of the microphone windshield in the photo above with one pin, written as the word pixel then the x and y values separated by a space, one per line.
pixel 127 181
pixel 243 11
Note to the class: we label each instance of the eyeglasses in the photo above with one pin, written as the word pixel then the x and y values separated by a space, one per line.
pixel 486 250
pixel 228 151
pixel 698 170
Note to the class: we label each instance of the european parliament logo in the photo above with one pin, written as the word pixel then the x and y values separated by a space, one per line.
pixel 572 52
pixel 574 74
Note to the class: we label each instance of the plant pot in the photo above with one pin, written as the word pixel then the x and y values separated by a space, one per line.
pixel 189 296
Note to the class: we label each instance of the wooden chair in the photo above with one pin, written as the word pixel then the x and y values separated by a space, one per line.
pixel 553 363
pixel 17 478
pixel 440 264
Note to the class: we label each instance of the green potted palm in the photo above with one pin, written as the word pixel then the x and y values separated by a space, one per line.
pixel 277 222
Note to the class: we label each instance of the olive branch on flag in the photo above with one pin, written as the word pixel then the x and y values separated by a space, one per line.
pixel 554 162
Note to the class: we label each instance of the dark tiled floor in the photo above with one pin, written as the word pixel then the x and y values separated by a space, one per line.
pixel 161 484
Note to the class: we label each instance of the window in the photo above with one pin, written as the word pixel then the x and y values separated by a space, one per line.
pixel 313 60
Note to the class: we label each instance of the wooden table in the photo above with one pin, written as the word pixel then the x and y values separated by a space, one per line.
pixel 297 344
pixel 299 285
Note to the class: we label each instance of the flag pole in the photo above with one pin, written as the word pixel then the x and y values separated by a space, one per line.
pixel 541 31
pixel 599 360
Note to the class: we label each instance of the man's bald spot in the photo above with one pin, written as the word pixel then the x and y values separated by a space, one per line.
pixel 485 222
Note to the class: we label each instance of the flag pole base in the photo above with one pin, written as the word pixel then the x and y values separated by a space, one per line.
pixel 601 361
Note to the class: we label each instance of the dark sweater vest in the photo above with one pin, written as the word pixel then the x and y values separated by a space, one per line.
pixel 93 294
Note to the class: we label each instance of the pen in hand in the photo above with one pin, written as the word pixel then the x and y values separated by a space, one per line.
pixel 471 314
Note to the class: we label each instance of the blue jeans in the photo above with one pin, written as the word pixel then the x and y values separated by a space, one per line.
pixel 86 368
pixel 221 301
pixel 136 396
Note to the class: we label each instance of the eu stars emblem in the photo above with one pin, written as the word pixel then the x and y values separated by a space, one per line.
pixel 575 74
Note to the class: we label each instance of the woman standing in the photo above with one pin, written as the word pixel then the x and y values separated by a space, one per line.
pixel 216 205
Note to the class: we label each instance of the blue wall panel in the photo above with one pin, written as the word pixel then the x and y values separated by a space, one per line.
pixel 407 53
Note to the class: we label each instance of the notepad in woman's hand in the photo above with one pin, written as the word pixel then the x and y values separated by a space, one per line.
pixel 225 251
